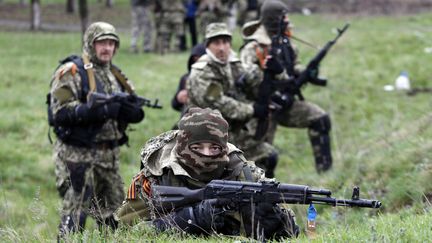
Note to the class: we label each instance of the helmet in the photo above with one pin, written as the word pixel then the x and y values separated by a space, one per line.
pixel 271 14
pixel 96 32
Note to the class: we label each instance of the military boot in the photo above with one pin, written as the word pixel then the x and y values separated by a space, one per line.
pixel 319 135
pixel 321 150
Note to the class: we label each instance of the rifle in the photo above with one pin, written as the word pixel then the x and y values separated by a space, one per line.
pixel 281 50
pixel 305 75
pixel 234 193
pixel 96 99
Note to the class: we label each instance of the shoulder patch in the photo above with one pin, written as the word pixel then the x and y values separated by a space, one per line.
pixel 214 91
pixel 63 94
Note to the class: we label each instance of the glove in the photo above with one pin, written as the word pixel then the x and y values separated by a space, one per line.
pixel 130 112
pixel 82 114
pixel 273 66
pixel 260 110
pixel 203 218
pixel 104 112
pixel 266 220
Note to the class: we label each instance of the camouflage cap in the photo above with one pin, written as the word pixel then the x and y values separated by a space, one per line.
pixel 217 29
pixel 99 31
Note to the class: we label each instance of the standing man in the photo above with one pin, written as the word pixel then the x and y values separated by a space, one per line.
pixel 142 22
pixel 191 157
pixel 295 113
pixel 211 11
pixel 170 19
pixel 191 7
pixel 214 83
pixel 90 105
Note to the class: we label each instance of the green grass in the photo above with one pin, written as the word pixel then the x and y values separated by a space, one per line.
pixel 381 140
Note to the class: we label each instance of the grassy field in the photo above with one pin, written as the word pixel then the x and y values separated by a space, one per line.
pixel 381 140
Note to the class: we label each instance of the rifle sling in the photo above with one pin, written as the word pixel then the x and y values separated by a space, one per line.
pixel 122 79
pixel 88 66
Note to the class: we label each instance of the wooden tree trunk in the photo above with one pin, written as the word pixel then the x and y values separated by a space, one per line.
pixel 35 13
pixel 83 11
pixel 70 6
pixel 109 3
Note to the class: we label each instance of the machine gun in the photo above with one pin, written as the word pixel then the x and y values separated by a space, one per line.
pixel 232 194
pixel 283 52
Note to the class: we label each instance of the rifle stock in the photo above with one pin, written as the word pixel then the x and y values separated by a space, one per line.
pixel 240 192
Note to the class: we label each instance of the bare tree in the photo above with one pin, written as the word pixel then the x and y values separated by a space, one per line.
pixel 35 14
pixel 83 12
pixel 70 6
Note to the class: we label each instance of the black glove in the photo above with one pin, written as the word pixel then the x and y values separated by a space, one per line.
pixel 83 115
pixel 260 110
pixel 266 220
pixel 274 66
pixel 104 112
pixel 202 218
pixel 275 222
pixel 130 112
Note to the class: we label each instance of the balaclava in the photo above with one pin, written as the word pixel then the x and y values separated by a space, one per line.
pixel 202 125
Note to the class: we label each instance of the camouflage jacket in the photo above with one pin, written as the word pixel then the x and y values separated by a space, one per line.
pixel 160 166
pixel 212 84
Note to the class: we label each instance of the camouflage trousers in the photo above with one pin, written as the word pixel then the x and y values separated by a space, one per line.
pixel 300 115
pixel 91 183
pixel 207 18
pixel 170 25
pixel 242 136
pixel 142 23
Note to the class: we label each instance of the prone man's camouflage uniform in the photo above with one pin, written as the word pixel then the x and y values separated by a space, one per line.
pixel 213 84
pixel 87 176
pixel 301 114
pixel 167 160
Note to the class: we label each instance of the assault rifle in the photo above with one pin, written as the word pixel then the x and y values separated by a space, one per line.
pixel 305 75
pixel 95 99
pixel 231 194
pixel 282 50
